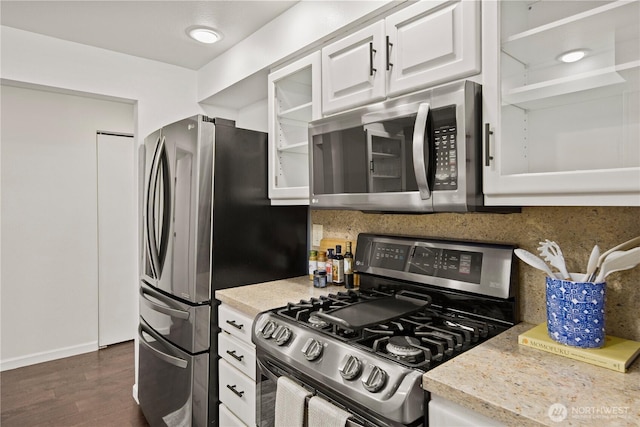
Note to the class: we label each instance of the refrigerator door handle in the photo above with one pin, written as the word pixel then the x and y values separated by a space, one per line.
pixel 149 217
pixel 165 309
pixel 158 208
pixel 175 361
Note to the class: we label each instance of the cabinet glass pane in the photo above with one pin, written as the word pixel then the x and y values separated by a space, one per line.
pixel 570 116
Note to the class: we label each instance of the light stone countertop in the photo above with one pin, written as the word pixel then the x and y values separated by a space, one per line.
pixel 499 378
pixel 517 385
pixel 253 299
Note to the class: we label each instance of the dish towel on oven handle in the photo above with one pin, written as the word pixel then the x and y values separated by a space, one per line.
pixel 290 403
pixel 325 414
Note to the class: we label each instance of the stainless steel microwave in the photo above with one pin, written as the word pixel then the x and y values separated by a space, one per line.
pixel 416 153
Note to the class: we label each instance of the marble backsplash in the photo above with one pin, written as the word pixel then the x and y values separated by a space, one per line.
pixel 576 229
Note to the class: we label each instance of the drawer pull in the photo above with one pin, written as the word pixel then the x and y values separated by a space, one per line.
pixel 233 389
pixel 234 324
pixel 233 354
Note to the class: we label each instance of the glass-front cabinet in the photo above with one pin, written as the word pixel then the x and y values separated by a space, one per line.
pixel 562 102
pixel 294 101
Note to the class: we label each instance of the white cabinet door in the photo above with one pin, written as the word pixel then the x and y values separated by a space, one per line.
pixel 556 133
pixel 235 323
pixel 353 69
pixel 237 392
pixel 431 42
pixel 294 100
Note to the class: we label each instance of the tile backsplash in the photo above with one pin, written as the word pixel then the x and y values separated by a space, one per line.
pixel 576 229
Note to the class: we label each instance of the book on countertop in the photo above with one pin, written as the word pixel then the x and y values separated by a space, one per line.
pixel 616 354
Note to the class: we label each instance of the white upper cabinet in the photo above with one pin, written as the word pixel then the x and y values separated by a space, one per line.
pixel 432 42
pixel 294 101
pixel 353 69
pixel 561 133
pixel 424 44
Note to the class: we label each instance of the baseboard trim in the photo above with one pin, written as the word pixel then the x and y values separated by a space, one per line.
pixel 135 393
pixel 47 356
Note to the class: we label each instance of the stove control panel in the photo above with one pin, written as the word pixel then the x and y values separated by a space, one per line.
pixel 482 268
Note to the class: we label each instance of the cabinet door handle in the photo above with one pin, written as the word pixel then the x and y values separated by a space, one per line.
pixel 371 52
pixel 389 63
pixel 487 142
pixel 234 390
pixel 234 324
pixel 233 354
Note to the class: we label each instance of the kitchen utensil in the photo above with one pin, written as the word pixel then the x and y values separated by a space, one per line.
pixel 551 252
pixel 618 261
pixel 591 265
pixel 533 261
pixel 622 246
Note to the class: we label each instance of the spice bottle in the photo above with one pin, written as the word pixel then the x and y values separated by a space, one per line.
pixel 322 261
pixel 338 267
pixel 313 263
pixel 329 266
pixel 348 268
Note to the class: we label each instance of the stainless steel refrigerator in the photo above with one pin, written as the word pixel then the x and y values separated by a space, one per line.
pixel 207 224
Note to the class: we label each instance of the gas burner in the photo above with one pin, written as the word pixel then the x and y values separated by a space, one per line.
pixel 316 321
pixel 404 346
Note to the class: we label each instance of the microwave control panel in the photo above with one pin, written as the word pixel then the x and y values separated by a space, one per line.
pixel 446 148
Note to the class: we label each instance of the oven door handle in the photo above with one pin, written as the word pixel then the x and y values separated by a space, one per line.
pixel 175 361
pixel 420 152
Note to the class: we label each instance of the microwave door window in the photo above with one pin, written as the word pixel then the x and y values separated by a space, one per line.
pixel 387 171
pixel 340 162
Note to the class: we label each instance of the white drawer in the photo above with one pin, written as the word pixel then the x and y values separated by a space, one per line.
pixel 238 353
pixel 237 392
pixel 235 322
pixel 228 418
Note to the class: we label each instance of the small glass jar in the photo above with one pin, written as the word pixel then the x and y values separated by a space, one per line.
pixel 319 279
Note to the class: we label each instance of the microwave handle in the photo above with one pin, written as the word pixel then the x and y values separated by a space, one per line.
pixel 419 151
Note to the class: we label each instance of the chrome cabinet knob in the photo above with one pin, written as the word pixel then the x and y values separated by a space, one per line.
pixel 312 349
pixel 282 335
pixel 268 329
pixel 350 367
pixel 375 379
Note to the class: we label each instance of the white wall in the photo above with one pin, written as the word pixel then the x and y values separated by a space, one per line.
pixel 159 94
pixel 164 93
pixel 49 306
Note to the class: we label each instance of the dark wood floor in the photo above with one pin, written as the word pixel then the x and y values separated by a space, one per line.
pixel 92 389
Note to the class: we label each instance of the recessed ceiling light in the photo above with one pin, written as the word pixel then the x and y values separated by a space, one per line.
pixel 203 34
pixel 572 55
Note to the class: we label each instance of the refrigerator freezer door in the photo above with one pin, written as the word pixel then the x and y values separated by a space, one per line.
pixel 175 383
pixel 185 325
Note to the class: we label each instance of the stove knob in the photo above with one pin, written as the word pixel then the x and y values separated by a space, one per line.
pixel 282 335
pixel 268 329
pixel 350 367
pixel 375 380
pixel 312 349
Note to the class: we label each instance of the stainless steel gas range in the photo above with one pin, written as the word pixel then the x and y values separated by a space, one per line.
pixel 421 302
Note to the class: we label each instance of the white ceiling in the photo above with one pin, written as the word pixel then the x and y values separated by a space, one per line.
pixel 148 29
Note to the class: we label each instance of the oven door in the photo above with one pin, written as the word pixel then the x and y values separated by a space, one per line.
pixel 417 153
pixel 172 384
pixel 268 371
